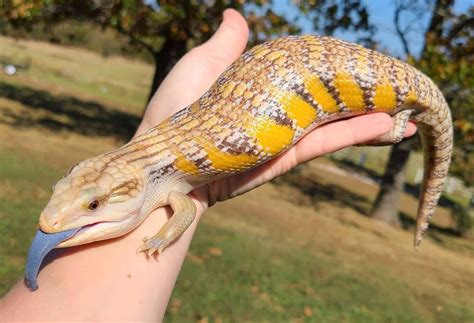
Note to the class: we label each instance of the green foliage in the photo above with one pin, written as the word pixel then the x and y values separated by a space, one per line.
pixel 448 59
pixel 331 16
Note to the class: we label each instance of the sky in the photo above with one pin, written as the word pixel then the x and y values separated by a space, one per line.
pixel 381 15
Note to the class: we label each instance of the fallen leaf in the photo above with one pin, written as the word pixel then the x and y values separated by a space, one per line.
pixel 215 251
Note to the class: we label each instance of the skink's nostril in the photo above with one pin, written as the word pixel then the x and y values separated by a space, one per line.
pixel 48 223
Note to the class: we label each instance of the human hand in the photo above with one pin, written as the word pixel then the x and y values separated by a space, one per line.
pixel 199 68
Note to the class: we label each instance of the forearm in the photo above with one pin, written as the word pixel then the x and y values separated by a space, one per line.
pixel 103 281
pixel 74 286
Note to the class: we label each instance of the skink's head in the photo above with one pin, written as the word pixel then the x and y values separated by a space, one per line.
pixel 101 196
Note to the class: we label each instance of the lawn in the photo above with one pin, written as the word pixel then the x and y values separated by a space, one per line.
pixel 283 252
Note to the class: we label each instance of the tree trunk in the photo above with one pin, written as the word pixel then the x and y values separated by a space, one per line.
pixel 165 59
pixel 388 199
pixel 386 204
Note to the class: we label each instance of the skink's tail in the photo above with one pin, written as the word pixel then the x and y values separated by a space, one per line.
pixel 436 129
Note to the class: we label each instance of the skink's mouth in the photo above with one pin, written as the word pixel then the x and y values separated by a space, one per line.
pixel 88 227
pixel 93 232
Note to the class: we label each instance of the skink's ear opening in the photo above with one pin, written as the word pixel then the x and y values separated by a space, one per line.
pixel 69 171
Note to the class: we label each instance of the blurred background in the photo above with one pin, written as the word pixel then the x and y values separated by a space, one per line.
pixel 331 240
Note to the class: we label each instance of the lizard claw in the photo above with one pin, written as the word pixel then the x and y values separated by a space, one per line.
pixel 152 245
pixel 183 216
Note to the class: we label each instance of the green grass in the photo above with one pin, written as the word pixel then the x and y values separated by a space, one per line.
pixel 20 204
pixel 17 226
pixel 80 71
pixel 25 172
pixel 260 279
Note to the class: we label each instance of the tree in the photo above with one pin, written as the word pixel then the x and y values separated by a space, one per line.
pixel 449 60
pixel 447 57
pixel 169 28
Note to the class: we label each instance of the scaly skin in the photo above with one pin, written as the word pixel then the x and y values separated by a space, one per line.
pixel 260 106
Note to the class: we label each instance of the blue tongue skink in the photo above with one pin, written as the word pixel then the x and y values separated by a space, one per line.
pixel 40 247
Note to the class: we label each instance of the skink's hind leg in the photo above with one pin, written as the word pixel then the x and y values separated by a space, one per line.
pixel 184 214
pixel 395 135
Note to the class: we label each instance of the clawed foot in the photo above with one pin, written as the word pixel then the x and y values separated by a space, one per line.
pixel 152 245
pixel 184 213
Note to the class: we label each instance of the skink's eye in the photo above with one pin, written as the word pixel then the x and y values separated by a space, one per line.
pixel 93 205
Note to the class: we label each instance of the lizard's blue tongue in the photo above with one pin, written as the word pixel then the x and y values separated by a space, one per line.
pixel 42 244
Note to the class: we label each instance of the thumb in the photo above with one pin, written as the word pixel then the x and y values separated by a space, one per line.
pixel 230 39
pixel 199 68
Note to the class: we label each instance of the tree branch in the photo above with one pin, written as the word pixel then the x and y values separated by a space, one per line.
pixel 132 36
pixel 458 28
pixel 399 8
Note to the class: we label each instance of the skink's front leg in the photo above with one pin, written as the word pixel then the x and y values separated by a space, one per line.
pixel 184 214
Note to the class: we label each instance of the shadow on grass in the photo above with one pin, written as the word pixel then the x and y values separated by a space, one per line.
pixel 318 192
pixel 409 222
pixel 66 113
pixel 413 190
pixel 350 165
pixel 314 192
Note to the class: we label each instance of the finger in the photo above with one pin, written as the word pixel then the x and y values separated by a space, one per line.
pixel 340 134
pixel 410 130
pixel 221 50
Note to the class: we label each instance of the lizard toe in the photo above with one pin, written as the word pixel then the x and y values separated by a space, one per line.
pixel 152 245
